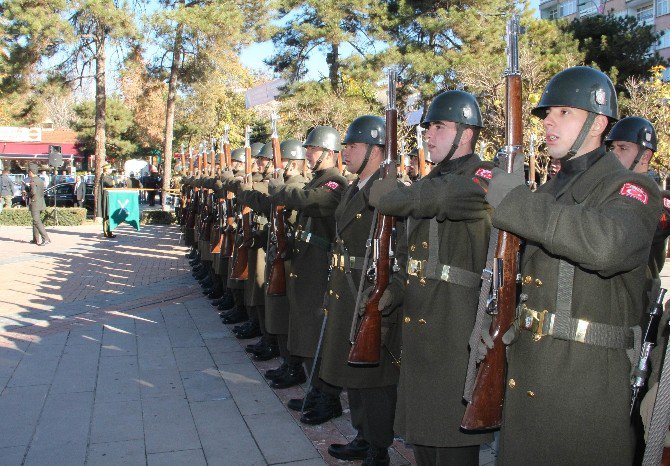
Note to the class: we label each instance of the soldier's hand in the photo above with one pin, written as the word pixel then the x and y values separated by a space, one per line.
pixel 227 174
pixel 380 188
pixel 502 182
pixel 386 301
pixel 246 185
pixel 275 184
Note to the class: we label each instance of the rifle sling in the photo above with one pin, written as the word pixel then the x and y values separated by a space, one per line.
pixel 347 262
pixel 434 270
pixel 310 238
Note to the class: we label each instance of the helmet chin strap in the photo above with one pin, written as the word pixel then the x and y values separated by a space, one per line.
pixel 366 159
pixel 581 137
pixel 455 143
pixel 317 164
pixel 638 157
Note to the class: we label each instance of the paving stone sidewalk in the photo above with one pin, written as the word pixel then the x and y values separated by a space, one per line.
pixel 110 355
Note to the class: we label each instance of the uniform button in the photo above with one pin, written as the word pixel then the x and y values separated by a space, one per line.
pixel 530 394
pixel 538 282
pixel 407 320
pixel 424 245
pixel 359 216
pixel 337 296
pixel 412 248
pixel 422 282
pixel 422 321
pixel 291 275
pixel 527 280
pixel 408 281
pixel 330 292
pixel 511 383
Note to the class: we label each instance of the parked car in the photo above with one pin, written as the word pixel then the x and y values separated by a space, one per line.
pixel 60 195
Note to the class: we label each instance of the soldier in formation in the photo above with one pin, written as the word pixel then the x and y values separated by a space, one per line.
pixel 585 269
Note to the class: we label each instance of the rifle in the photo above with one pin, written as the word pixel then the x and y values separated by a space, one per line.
pixel 366 349
pixel 652 319
pixel 213 154
pixel 229 231
pixel 277 273
pixel 190 161
pixel 340 165
pixel 421 154
pixel 182 159
pixel 484 411
pixel 531 164
pixel 240 270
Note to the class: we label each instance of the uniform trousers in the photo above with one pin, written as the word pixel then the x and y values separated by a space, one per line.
pixel 38 227
pixel 446 456
pixel 373 412
pixel 320 385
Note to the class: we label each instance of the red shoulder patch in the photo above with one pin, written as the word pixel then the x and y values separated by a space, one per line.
pixel 664 222
pixel 484 173
pixel 332 185
pixel 634 191
pixel 666 203
pixel 479 183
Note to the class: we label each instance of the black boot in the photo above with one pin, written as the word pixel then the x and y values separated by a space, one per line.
pixel 206 281
pixel 357 449
pixel 226 299
pixel 272 374
pixel 296 403
pixel 294 375
pixel 194 262
pixel 216 293
pixel 235 316
pixel 253 331
pixel 242 328
pixel 192 254
pixel 377 457
pixel 325 408
pixel 269 351
pixel 198 269
pixel 257 347
pixel 202 273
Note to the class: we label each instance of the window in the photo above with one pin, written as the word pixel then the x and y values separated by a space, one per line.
pixel 664 42
pixel 662 7
pixel 568 8
pixel 587 9
pixel 550 13
pixel 645 15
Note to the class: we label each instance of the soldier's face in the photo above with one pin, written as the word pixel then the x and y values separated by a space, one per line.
pixel 353 155
pixel 236 165
pixel 262 163
pixel 625 151
pixel 561 127
pixel 439 138
pixel 312 155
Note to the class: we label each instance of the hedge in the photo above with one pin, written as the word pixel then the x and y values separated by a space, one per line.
pixel 157 217
pixel 67 216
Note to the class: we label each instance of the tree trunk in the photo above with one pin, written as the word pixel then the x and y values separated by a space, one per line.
pixel 100 118
pixel 169 114
pixel 333 60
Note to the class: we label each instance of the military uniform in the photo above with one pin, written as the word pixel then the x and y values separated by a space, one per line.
pixel 106 181
pixel 448 219
pixel 36 207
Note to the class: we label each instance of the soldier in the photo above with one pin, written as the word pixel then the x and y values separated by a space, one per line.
pixel 633 141
pixel 106 181
pixel 290 373
pixel 316 203
pixel 371 390
pixel 587 234
pixel 36 206
pixel 448 225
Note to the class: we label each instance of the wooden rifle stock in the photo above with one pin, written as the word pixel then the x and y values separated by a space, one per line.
pixel 340 164
pixel 240 270
pixel 484 412
pixel 217 227
pixel 277 273
pixel 366 349
pixel 421 154
pixel 190 161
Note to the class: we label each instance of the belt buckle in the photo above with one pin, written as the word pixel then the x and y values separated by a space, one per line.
pixel 533 321
pixel 415 268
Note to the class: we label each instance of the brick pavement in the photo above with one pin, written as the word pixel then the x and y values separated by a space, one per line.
pixel 109 354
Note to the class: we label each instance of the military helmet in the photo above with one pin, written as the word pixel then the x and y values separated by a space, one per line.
pixel 368 129
pixel 266 151
pixel 237 155
pixel 256 148
pixel 292 149
pixel 634 129
pixel 457 106
pixel 325 137
pixel 580 87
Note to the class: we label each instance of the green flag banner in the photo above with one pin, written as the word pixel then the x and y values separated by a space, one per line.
pixel 123 206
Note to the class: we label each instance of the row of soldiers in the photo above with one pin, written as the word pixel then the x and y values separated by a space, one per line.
pixel 592 242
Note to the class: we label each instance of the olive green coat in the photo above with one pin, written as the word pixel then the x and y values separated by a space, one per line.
pixel 353 219
pixel 439 316
pixel 254 294
pixel 316 203
pixel 276 307
pixel 568 402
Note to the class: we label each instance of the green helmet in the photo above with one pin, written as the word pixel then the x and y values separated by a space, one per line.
pixel 325 137
pixel 368 129
pixel 636 130
pixel 237 155
pixel 266 151
pixel 580 87
pixel 256 148
pixel 457 106
pixel 292 149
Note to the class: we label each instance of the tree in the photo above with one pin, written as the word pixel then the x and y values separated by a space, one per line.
pixel 193 34
pixel 118 128
pixel 619 45
pixel 650 99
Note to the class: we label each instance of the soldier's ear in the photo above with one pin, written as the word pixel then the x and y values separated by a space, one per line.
pixel 646 157
pixel 599 125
